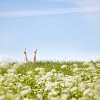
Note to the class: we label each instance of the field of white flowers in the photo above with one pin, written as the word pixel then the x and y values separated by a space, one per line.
pixel 50 81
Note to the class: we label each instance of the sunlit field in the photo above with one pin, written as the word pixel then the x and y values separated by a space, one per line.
pixel 50 81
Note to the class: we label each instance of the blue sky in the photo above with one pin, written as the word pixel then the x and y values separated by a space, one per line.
pixel 59 29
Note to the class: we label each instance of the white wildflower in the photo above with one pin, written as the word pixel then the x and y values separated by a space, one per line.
pixel 19 85
pixel 69 77
pixel 17 97
pixel 84 98
pixel 29 72
pixel 98 65
pixel 86 91
pixel 90 64
pixel 9 95
pixel 96 77
pixel 39 96
pixel 64 96
pixel 75 69
pixel 2 97
pixel 53 98
pixel 82 86
pixel 75 65
pixel 68 84
pixel 48 86
pixel 91 94
pixel 26 87
pixel 12 70
pixel 54 92
pixel 91 85
pixel 10 91
pixel 91 67
pixel 49 74
pixel 1 79
pixel 24 92
pixel 63 66
pixel 62 84
pixel 26 99
pixel 73 99
pixel 39 69
pixel 54 84
pixel 53 70
pixel 61 75
pixel 65 90
pixel 16 65
pixel 37 78
pixel 97 97
pixel 73 89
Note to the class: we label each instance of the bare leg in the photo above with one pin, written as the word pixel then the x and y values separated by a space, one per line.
pixel 35 55
pixel 25 55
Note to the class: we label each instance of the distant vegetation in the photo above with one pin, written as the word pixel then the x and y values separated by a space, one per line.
pixel 50 81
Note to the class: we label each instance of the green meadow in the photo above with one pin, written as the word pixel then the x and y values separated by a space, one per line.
pixel 48 80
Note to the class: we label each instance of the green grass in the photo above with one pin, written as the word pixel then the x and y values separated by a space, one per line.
pixel 48 80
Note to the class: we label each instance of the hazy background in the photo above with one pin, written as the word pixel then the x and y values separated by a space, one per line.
pixel 59 29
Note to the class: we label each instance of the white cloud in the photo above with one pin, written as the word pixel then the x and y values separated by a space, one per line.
pixel 83 3
pixel 4 14
pixel 91 3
